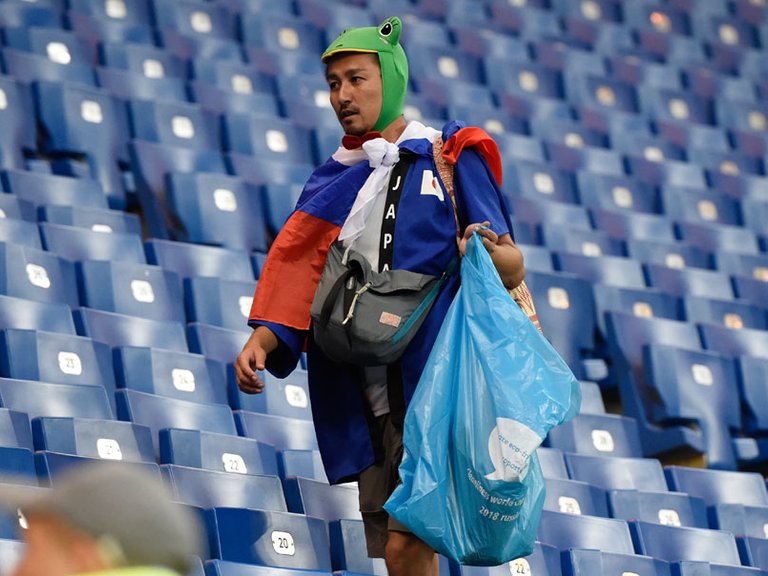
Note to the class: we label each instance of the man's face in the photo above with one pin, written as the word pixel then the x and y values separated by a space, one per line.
pixel 54 549
pixel 354 80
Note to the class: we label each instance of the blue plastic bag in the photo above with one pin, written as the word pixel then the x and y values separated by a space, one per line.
pixel 492 388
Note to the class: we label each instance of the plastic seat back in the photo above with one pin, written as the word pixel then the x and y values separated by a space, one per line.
pixel 122 330
pixel 616 473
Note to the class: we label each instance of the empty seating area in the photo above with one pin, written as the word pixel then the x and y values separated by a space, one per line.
pixel 151 150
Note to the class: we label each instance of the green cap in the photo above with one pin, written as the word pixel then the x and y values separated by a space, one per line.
pixel 383 40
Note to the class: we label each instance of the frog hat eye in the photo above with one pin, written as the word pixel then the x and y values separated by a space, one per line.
pixel 386 29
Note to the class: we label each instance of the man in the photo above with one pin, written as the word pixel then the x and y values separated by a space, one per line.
pixel 103 519
pixel 358 411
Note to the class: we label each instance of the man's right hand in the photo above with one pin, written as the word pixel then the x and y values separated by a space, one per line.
pixel 253 358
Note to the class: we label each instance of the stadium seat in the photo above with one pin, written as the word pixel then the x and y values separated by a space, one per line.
pixel 30 315
pixel 566 310
pixel 334 19
pixel 754 213
pixel 536 258
pixel 14 208
pixel 195 19
pixel 55 399
pixel 552 462
pixel 659 171
pixel 36 275
pixel 105 439
pixel 627 337
pixel 753 552
pixel 287 396
pixel 575 497
pixel 282 432
pixel 538 180
pixel 219 452
pixel 672 254
pixel 349 551
pixel 95 30
pixel 15 430
pixel 17 466
pixel 753 266
pixel 645 303
pixel 568 531
pixel 147 60
pixel 50 189
pixel 739 519
pixel 277 32
pixel 225 568
pixel 22 14
pixel 691 205
pixel 627 225
pixel 580 562
pixel 535 212
pixel 210 489
pixel 180 375
pixel 242 535
pixel 715 238
pixel 136 11
pixel 28 67
pixel 611 270
pixel 218 210
pixel 219 302
pixel 20 232
pixel 269 138
pixel 141 290
pixel 190 260
pixel 678 544
pixel 17 115
pixel 130 86
pixel 610 192
pixel 122 330
pixel 597 435
pixel 668 508
pixel 173 124
pixel 585 242
pixel 221 100
pixel 95 219
pixel 484 41
pixel 752 372
pixel 216 343
pixel 321 500
pixel 303 463
pixel 160 412
pixel 279 201
pixel 718 486
pixel 616 473
pixel 78 244
pixel 730 313
pixel 50 465
pixel 443 63
pixel 87 121
pixel 732 343
pixel 751 290
pixel 230 75
pixel 56 44
pixel 682 282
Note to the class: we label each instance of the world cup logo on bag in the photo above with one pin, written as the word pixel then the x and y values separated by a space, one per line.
pixel 510 446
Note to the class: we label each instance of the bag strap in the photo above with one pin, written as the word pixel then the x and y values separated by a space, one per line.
pixel 521 294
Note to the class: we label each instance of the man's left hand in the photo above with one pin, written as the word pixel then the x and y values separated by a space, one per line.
pixel 490 238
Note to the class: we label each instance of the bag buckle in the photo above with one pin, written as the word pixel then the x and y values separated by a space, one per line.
pixel 358 293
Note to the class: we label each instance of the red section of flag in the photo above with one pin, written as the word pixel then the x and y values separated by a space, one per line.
pixel 478 139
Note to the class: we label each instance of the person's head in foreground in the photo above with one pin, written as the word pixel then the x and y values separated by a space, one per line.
pixel 104 518
pixel 367 74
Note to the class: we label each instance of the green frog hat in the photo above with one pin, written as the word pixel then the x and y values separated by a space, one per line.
pixel 383 40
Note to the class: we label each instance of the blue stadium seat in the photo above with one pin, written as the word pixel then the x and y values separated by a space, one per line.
pixel 210 489
pixel 631 67
pixel 17 466
pixel 611 270
pixel 627 225
pixel 615 193
pixel 544 561
pixel 755 215
pixel 348 548
pixel 136 11
pixel 20 232
pixel 219 302
pixel 598 435
pixel 568 531
pixel 552 462
pixel 190 260
pixel 168 373
pixel 627 336
pixel 56 358
pixel 15 430
pixel 717 237
pixel 672 254
pixel 130 86
pixel 659 171
pixel 217 209
pixel 718 486
pixel 188 46
pixel 56 44
pixel 95 219
pixel 30 315
pixel 575 497
pixel 281 32
pixel 668 508
pixel 484 41
pixel 753 552
pixel 752 373
pixel 88 121
pixel 334 18
pixel 566 311
pixel 536 258
pixel 616 473
pixel 147 60
pixel 78 244
pixel 731 313
pixel 676 105
pixel 160 412
pixel 24 14
pixel 280 431
pixel 28 67
pixel 279 201
pixel 14 208
pixel 221 100
pixel 141 290
pixel 689 281
pixel 105 439
pixel 95 30
pixel 646 303
pixel 231 76
pixel 450 93
pixel 535 212
pixel 677 544
pixel 739 519
pixel 174 124
pixel 539 180
pixel 443 63
pixel 55 399
pixel 49 189
pixel 17 115
pixel 270 138
pixel 117 329
pixel 528 21
pixel 585 242
pixel 591 398
pixel 751 290
pixel 220 452
pixel 321 500
pixel 598 91
pixel 36 275
pixel 700 387
pixel 287 396
pixel 692 205
pixel 581 562
pixel 225 568
pixel 194 18
pixel 732 343
pixel 216 343
pixel 151 163
pixel 241 535
pixel 576 157
pixel 301 463
pixel 51 464
pixel 644 150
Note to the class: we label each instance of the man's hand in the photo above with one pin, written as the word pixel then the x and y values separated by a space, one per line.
pixel 490 238
pixel 253 358
pixel 506 256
